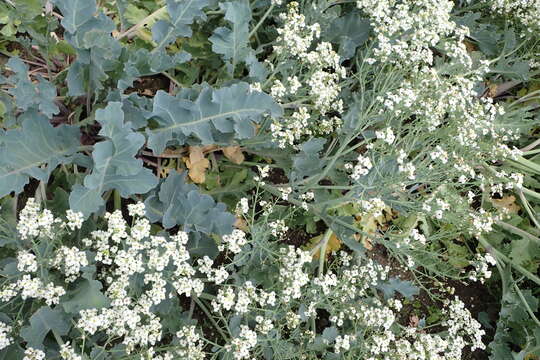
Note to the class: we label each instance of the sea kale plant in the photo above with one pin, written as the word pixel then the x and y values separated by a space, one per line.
pixel 269 179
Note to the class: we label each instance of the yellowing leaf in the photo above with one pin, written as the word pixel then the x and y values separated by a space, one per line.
pixel 234 153
pixel 197 164
pixel 334 244
pixel 508 203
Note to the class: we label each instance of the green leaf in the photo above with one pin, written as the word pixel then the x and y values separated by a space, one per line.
pixel 29 95
pixel 115 165
pixel 41 322
pixel 182 14
pixel 230 110
pixel 180 203
pixel 308 162
pixel 76 12
pixel 523 250
pixel 24 151
pixel 232 42
pixel 87 295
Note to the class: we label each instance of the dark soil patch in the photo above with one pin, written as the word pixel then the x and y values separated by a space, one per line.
pixel 296 237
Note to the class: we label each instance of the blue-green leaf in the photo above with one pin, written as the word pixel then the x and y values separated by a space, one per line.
pixel 24 151
pixel 87 295
pixel 404 287
pixel 230 110
pixel 182 14
pixel 180 203
pixel 232 42
pixel 115 165
pixel 27 94
pixel 41 322
pixel 76 12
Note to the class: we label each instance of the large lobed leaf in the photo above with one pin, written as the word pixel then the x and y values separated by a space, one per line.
pixel 182 14
pixel 180 203
pixel 27 94
pixel 115 165
pixel 232 42
pixel 34 150
pixel 231 110
pixel 76 13
pixel 42 322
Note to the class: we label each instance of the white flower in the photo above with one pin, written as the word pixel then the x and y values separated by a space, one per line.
pixel 75 219
pixel 5 337
pixel 242 207
pixel 26 262
pixel 67 352
pixel 137 209
pixel 33 354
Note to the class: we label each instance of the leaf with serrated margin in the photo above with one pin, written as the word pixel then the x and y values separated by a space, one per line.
pixel 24 151
pixel 180 203
pixel 229 110
pixel 115 165
pixel 182 14
pixel 76 12
pixel 232 42
pixel 27 94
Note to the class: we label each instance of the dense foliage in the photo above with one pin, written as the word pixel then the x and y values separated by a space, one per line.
pixel 269 179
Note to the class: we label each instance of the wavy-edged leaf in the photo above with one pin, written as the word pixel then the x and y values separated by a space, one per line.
pixel 349 31
pixel 34 150
pixel 182 14
pixel 115 165
pixel 87 295
pixel 76 12
pixel 232 43
pixel 230 110
pixel 180 203
pixel 27 94
pixel 404 287
pixel 42 321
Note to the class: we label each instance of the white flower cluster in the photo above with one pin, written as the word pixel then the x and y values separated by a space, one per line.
pixel 33 288
pixel 386 135
pixel 74 219
pixel 191 343
pixel 242 207
pixel 482 222
pixel 291 273
pixel 278 228
pixel 135 253
pixel 67 352
pixel 361 168
pixel 26 262
pixel 5 335
pixel 407 30
pixel 294 42
pixel 70 261
pixel 525 11
pixel 481 264
pixel 374 206
pixel 33 354
pixel 33 222
pixel 234 241
pixel 405 167
pixel 461 323
pixel 240 346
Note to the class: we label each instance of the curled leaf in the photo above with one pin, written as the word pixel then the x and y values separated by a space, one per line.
pixel 197 164
pixel 234 153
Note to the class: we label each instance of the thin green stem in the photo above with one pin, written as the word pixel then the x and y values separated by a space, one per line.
pixel 261 20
